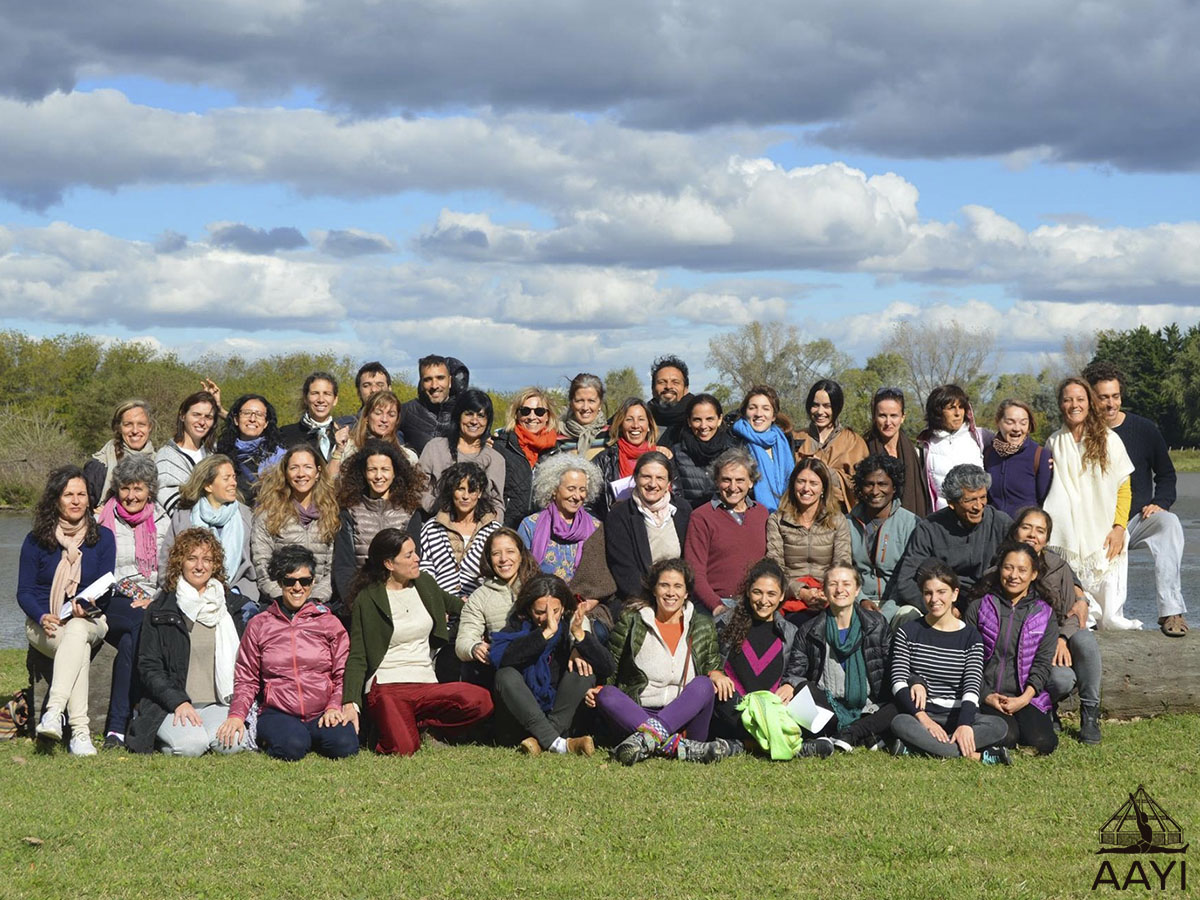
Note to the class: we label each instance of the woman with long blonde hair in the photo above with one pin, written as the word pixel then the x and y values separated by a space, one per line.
pixel 530 434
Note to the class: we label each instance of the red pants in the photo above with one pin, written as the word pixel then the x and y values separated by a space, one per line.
pixel 400 710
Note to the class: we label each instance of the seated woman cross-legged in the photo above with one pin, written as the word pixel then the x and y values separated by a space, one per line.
pixel 189 642
pixel 1019 638
pixel 399 620
pixel 546 662
pixel 937 674
pixel 662 691
pixel 292 659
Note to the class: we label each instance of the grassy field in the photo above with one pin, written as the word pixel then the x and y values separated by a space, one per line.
pixel 1186 460
pixel 483 822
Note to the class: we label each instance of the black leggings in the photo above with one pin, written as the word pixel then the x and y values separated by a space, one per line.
pixel 1030 727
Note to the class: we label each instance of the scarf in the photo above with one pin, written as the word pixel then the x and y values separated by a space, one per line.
pixel 251 454
pixel 552 524
pixel 533 444
pixel 776 468
pixel 322 430
pixel 703 453
pixel 306 514
pixel 584 435
pixel 914 497
pixel 537 674
pixel 657 513
pixel 668 415
pixel 108 456
pixel 854 684
pixel 145 535
pixel 226 522
pixel 1083 501
pixel 208 608
pixel 70 565
pixel 628 454
pixel 1005 448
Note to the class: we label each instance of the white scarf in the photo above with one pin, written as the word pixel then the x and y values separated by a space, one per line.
pixel 1083 503
pixel 208 609
pixel 658 513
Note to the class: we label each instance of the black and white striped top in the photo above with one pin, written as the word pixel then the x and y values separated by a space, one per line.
pixel 948 663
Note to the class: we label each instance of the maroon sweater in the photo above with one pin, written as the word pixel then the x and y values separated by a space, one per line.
pixel 720 550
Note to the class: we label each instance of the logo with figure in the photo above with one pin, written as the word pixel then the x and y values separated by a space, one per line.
pixel 1141 827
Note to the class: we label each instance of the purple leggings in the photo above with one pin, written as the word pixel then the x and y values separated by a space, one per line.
pixel 691 711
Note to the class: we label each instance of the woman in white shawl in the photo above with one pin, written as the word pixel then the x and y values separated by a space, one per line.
pixel 1089 500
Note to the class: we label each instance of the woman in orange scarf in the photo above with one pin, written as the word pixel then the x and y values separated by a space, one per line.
pixel 530 434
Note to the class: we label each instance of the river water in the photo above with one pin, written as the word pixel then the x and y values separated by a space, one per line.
pixel 1140 605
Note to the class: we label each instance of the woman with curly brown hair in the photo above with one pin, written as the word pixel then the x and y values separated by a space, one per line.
pixel 379 488
pixel 251 438
pixel 1089 500
pixel 66 551
pixel 187 652
pixel 452 541
pixel 296 504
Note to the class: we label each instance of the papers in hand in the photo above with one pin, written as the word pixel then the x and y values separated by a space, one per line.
pixel 805 711
pixel 89 595
pixel 621 488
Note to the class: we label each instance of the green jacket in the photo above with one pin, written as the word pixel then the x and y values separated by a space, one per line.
pixel 371 629
pixel 626 640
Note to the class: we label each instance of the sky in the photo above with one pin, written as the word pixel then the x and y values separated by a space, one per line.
pixel 541 189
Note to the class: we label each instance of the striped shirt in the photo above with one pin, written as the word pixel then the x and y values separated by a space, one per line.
pixel 948 663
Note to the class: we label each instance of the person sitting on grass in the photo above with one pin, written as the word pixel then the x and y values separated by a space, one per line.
pixel 937 672
pixel 189 642
pixel 292 660
pixel 547 659
pixel 1019 638
pixel 400 619
pixel 658 694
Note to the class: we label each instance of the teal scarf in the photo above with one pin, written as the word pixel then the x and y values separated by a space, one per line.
pixel 848 653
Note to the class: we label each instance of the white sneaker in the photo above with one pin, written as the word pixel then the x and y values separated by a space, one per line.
pixel 81 745
pixel 51 724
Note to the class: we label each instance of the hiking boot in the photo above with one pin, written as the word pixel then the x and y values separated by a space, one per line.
pixel 995 756
pixel 581 746
pixel 707 751
pixel 821 747
pixel 51 724
pixel 1055 721
pixel 1089 723
pixel 530 747
pixel 81 745
pixel 633 749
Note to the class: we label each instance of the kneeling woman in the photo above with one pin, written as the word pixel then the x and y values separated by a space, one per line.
pixel 546 662
pixel 292 658
pixel 937 671
pixel 658 692
pixel 399 621
pixel 189 641
pixel 1020 634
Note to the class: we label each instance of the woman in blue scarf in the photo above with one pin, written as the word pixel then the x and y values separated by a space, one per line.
pixel 546 661
pixel 251 439
pixel 769 444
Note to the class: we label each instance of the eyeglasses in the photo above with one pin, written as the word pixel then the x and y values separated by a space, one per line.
pixel 303 580
pixel 251 414
pixel 532 411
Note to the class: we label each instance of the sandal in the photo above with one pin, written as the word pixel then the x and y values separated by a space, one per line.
pixel 1173 626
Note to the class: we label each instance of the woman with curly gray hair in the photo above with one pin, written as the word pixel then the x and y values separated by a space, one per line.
pixel 562 484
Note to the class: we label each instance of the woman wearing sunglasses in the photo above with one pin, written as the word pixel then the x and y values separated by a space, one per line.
pixel 530 435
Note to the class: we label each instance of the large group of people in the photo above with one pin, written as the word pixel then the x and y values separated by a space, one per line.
pixel 687 583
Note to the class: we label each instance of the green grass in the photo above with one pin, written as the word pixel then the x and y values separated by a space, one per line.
pixel 484 822
pixel 1186 460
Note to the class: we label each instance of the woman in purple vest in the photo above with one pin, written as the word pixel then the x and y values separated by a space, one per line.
pixel 1019 631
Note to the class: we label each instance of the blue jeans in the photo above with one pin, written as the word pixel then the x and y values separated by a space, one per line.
pixel 124 626
pixel 285 736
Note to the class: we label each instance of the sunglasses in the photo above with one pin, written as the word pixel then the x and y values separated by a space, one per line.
pixel 303 580
pixel 532 411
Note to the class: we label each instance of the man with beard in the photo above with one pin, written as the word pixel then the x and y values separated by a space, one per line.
pixel 429 414
pixel 669 397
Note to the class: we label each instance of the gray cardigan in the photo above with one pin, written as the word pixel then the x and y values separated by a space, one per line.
pixel 243 581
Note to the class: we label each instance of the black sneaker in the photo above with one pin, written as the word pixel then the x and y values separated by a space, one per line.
pixel 995 756
pixel 898 748
pixel 821 747
pixel 113 741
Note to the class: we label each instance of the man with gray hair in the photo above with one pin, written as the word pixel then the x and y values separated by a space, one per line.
pixel 965 535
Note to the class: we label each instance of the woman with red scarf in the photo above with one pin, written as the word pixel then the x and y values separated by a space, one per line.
pixel 632 433
pixel 530 434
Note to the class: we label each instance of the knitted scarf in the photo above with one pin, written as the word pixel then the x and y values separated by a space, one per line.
pixel 627 455
pixel 703 453
pixel 226 522
pixel 848 653
pixel 70 565
pixel 668 415
pixel 552 525
pixel 534 444
pixel 145 535
pixel 584 435
pixel 108 455
pixel 775 468
pixel 537 676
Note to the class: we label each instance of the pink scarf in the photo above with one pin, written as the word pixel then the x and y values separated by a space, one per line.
pixel 551 522
pixel 657 513
pixel 145 535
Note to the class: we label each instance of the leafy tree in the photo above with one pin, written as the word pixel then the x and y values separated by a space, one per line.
pixel 620 384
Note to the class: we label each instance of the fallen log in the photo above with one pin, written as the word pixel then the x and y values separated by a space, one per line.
pixel 1146 673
